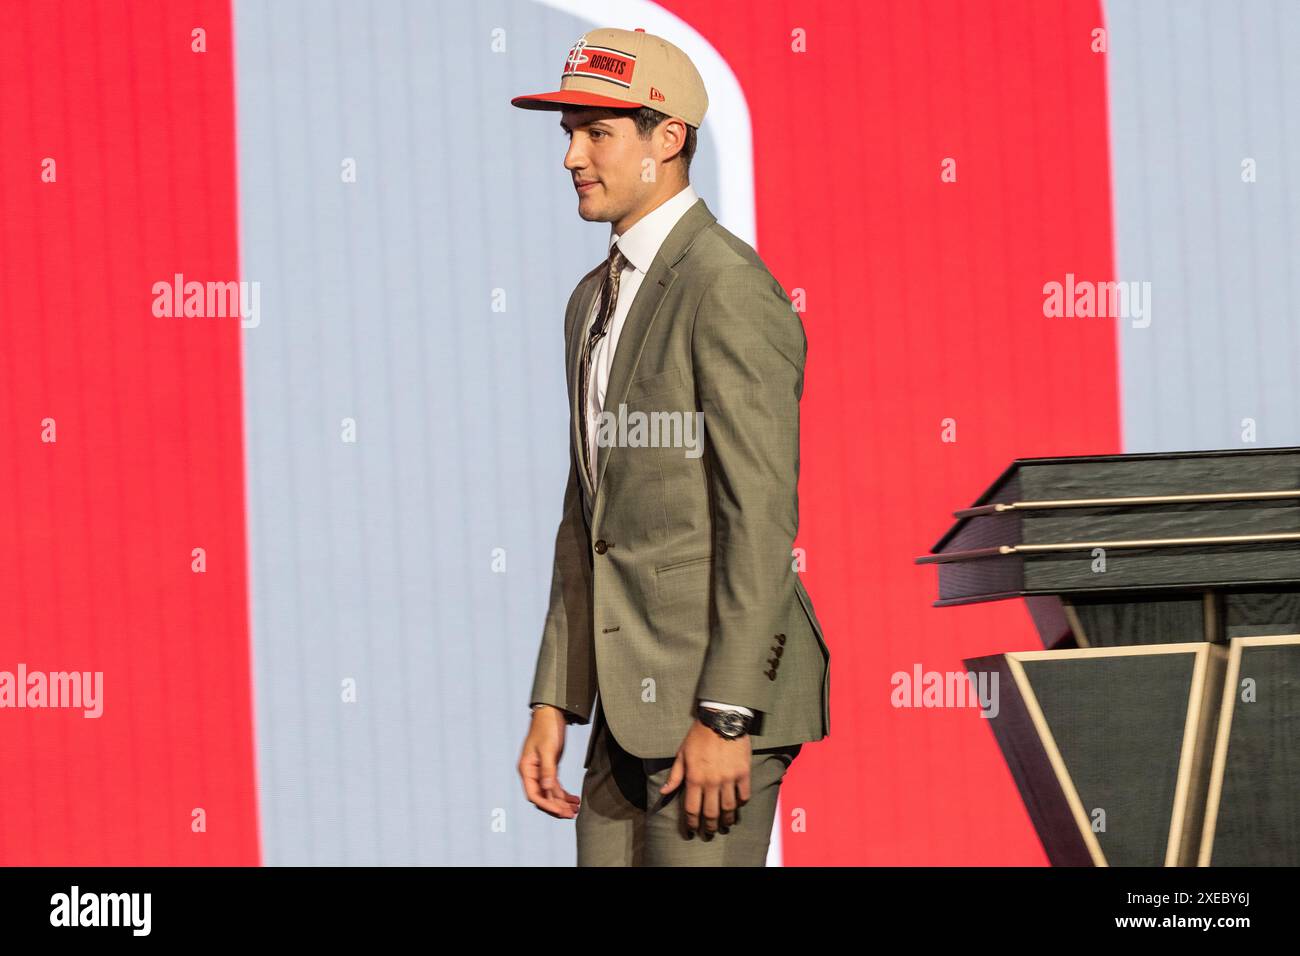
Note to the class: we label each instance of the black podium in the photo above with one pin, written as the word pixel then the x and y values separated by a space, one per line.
pixel 1161 724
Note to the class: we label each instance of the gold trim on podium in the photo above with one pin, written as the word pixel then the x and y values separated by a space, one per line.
pixel 1003 550
pixel 1045 504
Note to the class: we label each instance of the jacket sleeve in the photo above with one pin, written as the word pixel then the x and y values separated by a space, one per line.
pixel 566 663
pixel 565 675
pixel 748 349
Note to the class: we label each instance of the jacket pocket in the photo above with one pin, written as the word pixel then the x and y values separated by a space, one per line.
pixel 683 577
pixel 652 385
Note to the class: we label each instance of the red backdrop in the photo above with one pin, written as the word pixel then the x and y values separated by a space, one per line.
pixel 95 550
pixel 924 303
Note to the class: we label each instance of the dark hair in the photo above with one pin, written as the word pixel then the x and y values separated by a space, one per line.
pixel 647 119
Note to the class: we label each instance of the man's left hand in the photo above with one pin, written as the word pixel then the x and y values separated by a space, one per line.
pixel 716 771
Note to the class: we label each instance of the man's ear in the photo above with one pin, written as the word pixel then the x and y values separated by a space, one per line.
pixel 673 132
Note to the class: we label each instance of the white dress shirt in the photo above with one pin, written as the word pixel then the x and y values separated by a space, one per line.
pixel 639 245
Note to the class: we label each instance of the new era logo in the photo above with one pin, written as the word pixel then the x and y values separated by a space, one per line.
pixel 655 94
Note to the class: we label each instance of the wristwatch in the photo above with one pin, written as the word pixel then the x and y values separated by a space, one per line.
pixel 727 724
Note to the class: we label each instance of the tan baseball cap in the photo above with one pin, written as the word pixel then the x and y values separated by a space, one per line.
pixel 623 69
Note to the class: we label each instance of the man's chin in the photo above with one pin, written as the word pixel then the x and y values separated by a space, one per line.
pixel 591 213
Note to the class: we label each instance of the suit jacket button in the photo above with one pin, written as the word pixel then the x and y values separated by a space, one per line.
pixel 601 546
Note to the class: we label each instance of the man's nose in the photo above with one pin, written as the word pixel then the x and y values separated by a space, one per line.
pixel 573 158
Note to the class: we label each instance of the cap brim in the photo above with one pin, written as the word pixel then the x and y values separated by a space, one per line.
pixel 562 98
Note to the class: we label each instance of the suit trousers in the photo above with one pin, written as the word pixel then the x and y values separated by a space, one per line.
pixel 625 821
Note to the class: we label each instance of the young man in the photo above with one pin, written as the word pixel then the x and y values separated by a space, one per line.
pixel 673 592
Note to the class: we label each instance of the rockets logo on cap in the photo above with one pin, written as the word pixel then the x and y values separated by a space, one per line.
pixel 575 58
pixel 599 63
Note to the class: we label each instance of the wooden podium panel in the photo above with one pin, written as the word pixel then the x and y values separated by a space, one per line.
pixel 1109 747
pixel 1253 811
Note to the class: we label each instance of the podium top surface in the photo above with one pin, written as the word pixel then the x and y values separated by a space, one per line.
pixel 1178 479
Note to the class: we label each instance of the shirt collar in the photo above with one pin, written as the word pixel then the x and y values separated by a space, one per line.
pixel 641 243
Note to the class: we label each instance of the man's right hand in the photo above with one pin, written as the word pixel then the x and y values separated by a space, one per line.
pixel 539 764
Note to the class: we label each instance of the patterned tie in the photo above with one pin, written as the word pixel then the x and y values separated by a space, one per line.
pixel 608 302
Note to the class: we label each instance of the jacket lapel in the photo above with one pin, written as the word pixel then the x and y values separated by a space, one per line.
pixel 640 318
pixel 577 331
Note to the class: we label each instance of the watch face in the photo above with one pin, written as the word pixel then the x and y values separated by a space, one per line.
pixel 728 723
pixel 731 724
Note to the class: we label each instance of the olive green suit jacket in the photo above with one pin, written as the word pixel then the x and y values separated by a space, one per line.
pixel 674 582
